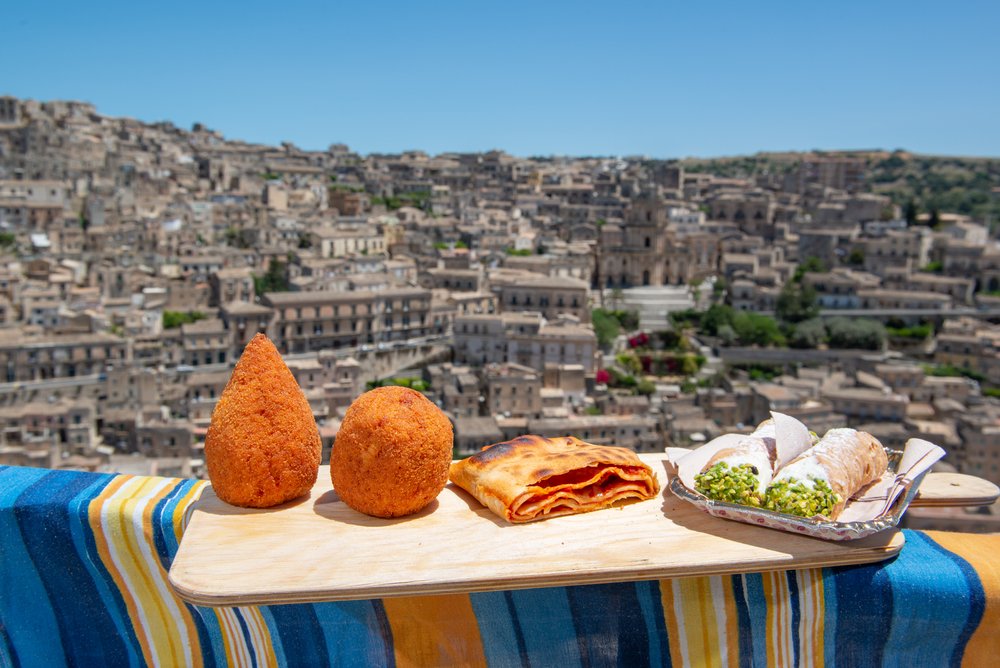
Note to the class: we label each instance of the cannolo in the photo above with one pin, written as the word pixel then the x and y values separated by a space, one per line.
pixel 822 479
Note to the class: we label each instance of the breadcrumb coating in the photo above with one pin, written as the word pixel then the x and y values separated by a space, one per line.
pixel 263 447
pixel 392 453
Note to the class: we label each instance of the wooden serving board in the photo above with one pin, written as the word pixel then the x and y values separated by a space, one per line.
pixel 318 549
pixel 955 489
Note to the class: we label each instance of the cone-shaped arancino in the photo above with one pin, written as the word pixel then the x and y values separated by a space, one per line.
pixel 263 446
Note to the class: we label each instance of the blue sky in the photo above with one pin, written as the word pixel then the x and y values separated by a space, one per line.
pixel 576 78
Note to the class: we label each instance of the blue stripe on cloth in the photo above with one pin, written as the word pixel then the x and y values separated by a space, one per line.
pixel 86 626
pixel 829 613
pixel 610 628
pixel 385 629
pixel 651 604
pixel 247 636
pixel 7 656
pixel 753 590
pixel 25 610
pixel 864 613
pixel 301 634
pixel 496 617
pixel 544 619
pixel 206 623
pixel 925 580
pixel 977 600
pixel 104 584
pixel 744 630
pixel 162 525
pixel 274 631
pixel 793 598
pixel 213 651
pixel 355 633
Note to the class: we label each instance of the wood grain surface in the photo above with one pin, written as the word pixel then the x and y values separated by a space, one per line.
pixel 318 549
pixel 955 489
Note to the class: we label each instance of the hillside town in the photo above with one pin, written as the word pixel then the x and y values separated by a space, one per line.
pixel 623 300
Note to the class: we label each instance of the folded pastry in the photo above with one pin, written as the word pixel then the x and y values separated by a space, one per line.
pixel 822 479
pixel 741 473
pixel 533 478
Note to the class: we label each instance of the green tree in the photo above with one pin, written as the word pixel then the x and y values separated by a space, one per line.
pixel 690 364
pixel 173 319
pixel 808 334
pixel 630 362
pixel 856 258
pixel 234 238
pixel 727 334
pixel 645 387
pixel 796 302
pixel 524 252
pixel 716 316
pixel 910 212
pixel 606 326
pixel 811 264
pixel 934 221
pixel 719 287
pixel 629 320
pixel 272 281
pixel 7 239
pixel 863 333
pixel 687 318
pixel 758 330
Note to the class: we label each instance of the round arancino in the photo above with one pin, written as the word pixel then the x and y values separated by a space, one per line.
pixel 392 453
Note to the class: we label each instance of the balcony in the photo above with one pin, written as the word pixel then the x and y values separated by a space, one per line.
pixel 84 581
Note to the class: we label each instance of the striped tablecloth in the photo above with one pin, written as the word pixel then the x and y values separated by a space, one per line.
pixel 83 580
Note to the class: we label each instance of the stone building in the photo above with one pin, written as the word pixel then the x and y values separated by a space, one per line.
pixel 549 296
pixel 307 321
pixel 512 389
pixel 36 357
pixel 525 339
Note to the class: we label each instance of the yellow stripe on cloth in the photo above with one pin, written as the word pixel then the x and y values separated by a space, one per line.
pixel 434 631
pixel 811 624
pixel 232 639
pixel 981 552
pixel 182 513
pixel 779 617
pixel 263 647
pixel 241 649
pixel 700 616
pixel 121 519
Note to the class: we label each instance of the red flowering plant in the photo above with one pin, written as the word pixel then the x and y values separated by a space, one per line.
pixel 647 363
pixel 640 340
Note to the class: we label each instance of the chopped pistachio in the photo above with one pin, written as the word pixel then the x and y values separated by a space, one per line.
pixel 737 484
pixel 794 497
